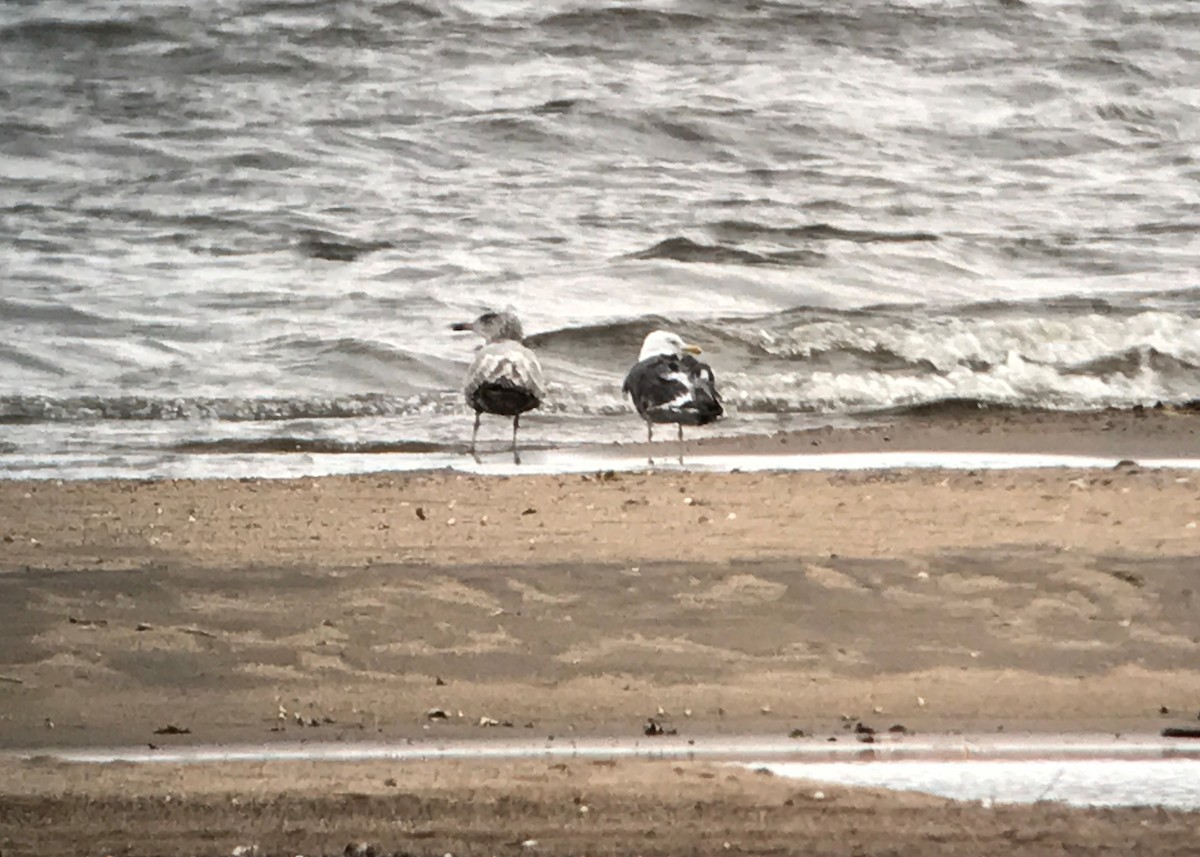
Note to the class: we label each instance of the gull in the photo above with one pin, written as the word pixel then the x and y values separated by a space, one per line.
pixel 669 385
pixel 505 377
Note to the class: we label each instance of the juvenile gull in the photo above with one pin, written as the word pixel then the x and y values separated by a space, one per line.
pixel 505 377
pixel 669 385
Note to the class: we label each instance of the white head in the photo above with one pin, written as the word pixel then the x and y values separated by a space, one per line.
pixel 665 342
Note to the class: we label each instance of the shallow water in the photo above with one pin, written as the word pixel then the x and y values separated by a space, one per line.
pixel 1169 783
pixel 533 462
pixel 251 221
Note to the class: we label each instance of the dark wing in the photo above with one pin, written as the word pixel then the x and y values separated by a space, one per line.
pixel 654 382
pixel 668 389
pixel 706 400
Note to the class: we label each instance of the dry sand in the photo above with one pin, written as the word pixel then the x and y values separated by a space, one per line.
pixel 346 608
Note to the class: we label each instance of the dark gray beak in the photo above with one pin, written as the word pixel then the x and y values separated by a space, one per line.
pixel 462 325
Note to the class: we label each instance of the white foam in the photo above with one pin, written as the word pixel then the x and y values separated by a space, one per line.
pixel 1016 359
pixel 948 341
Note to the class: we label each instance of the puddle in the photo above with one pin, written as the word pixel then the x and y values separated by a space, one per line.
pixel 1169 783
pixel 891 749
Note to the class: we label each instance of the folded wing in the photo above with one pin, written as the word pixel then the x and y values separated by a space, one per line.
pixel 505 378
pixel 670 389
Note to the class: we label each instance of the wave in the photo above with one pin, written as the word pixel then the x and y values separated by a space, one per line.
pixel 556 105
pixel 1169 228
pixel 681 249
pixel 514 129
pixel 405 10
pixel 247 62
pixel 623 20
pixel 48 313
pixel 731 234
pixel 877 28
pixel 104 34
pixel 1132 361
pixel 358 362
pixel 1069 353
pixel 22 360
pixel 1064 351
pixel 601 341
pixel 267 159
pixel 337 248
pixel 742 230
pixel 364 35
pixel 19 409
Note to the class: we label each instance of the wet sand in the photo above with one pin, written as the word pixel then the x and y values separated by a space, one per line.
pixel 590 807
pixel 1132 433
pixel 351 608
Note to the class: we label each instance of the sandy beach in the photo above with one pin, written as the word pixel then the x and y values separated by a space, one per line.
pixel 348 608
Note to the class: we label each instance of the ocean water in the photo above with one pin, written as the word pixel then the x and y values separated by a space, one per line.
pixel 246 225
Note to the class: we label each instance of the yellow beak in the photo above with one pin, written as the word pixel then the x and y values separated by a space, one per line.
pixel 692 349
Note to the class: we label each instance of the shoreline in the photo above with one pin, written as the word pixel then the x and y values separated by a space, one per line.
pixel 950 437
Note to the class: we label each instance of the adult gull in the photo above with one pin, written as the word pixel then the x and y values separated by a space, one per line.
pixel 669 385
pixel 505 378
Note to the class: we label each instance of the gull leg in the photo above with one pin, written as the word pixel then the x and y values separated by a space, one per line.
pixel 474 435
pixel 516 455
pixel 680 444
pixel 649 440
